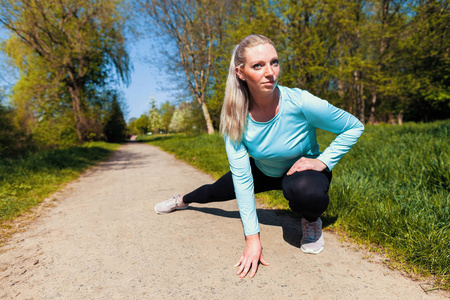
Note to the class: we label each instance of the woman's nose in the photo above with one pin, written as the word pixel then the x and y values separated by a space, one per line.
pixel 269 70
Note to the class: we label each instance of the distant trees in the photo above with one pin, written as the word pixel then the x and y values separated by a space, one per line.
pixel 167 110
pixel 142 124
pixel 194 28
pixel 187 117
pixel 131 126
pixel 65 51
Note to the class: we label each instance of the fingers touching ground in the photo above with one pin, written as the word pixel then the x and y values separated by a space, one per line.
pixel 250 259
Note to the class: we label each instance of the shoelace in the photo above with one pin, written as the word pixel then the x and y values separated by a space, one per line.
pixel 173 201
pixel 311 229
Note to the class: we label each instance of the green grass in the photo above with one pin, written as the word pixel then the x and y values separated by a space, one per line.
pixel 26 181
pixel 391 190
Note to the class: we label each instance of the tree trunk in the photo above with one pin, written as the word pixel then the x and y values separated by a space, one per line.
pixel 400 118
pixel 359 96
pixel 209 124
pixel 372 107
pixel 362 104
pixel 78 111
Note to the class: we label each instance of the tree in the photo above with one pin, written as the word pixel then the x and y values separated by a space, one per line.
pixel 194 28
pixel 186 118
pixel 142 124
pixel 426 61
pixel 304 52
pixel 178 122
pixel 155 121
pixel 167 110
pixel 115 128
pixel 71 46
pixel 132 128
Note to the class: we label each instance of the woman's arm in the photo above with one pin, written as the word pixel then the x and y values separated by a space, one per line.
pixel 321 114
pixel 239 161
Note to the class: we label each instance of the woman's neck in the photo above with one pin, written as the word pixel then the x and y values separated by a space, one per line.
pixel 264 108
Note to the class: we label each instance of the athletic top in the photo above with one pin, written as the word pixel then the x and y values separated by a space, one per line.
pixel 277 144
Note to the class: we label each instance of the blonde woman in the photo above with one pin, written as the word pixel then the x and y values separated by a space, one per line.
pixel 270 140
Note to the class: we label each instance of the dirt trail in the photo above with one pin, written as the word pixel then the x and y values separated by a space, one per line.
pixel 103 240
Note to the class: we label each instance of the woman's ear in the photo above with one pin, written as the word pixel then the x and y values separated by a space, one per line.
pixel 239 73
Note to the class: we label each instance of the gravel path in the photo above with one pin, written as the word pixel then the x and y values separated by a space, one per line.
pixel 100 238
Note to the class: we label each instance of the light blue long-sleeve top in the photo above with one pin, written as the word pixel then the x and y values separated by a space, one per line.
pixel 277 144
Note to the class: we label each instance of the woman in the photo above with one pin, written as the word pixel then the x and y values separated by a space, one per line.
pixel 276 126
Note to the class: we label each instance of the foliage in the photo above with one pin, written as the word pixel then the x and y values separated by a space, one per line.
pixel 142 124
pixel 426 57
pixel 132 128
pixel 55 132
pixel 65 50
pixel 25 181
pixel 391 189
pixel 155 120
pixel 167 110
pixel 186 118
pixel 13 141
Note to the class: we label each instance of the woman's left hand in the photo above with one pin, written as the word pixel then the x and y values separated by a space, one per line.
pixel 304 164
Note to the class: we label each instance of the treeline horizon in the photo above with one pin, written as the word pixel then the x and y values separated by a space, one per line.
pixel 383 61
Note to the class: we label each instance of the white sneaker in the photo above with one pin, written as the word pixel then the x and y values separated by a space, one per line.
pixel 170 205
pixel 312 238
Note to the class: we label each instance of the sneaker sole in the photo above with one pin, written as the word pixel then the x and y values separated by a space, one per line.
pixel 168 212
pixel 310 251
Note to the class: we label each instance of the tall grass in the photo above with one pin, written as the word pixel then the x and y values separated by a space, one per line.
pixel 27 180
pixel 391 189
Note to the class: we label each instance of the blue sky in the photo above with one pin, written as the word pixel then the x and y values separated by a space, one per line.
pixel 147 80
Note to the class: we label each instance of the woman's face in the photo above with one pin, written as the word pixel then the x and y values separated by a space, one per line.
pixel 261 69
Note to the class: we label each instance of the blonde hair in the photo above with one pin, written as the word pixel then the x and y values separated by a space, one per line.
pixel 233 118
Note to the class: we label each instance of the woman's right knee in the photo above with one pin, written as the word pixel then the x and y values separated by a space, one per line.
pixel 305 188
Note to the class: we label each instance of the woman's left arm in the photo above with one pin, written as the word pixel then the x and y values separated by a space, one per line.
pixel 321 114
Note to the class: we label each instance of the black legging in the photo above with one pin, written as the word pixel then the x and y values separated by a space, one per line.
pixel 307 191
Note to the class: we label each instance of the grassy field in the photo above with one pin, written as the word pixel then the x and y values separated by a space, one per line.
pixel 26 181
pixel 391 191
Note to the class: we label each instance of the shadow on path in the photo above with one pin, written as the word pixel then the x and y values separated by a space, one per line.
pixel 292 228
pixel 289 222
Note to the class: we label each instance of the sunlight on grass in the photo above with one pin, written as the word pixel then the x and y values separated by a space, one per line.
pixel 26 181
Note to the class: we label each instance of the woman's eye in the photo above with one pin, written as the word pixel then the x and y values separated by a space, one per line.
pixel 275 62
pixel 257 66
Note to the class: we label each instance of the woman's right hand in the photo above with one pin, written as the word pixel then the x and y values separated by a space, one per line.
pixel 251 257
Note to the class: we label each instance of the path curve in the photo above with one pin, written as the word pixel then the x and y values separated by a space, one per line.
pixel 103 240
